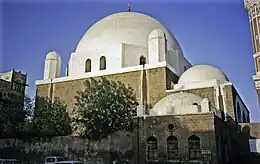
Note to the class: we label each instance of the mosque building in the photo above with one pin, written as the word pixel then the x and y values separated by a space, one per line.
pixel 186 111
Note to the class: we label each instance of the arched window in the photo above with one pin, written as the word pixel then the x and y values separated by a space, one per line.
pixel 88 65
pixel 67 70
pixel 152 148
pixel 102 64
pixel 194 147
pixel 142 60
pixel 172 148
pixel 244 118
pixel 238 112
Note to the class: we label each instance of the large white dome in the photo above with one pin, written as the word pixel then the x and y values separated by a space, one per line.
pixel 125 27
pixel 202 73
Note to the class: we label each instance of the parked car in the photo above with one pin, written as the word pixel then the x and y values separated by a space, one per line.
pixel 195 162
pixel 70 162
pixel 53 159
pixel 10 161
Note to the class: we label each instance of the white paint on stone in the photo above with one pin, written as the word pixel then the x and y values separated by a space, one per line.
pixel 103 73
pixel 123 38
pixel 200 73
pixel 254 145
pixel 157 47
pixel 181 103
pixel 52 65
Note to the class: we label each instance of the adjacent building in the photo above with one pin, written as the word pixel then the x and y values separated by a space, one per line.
pixel 253 9
pixel 12 88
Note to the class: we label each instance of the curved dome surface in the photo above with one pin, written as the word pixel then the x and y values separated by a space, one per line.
pixel 202 73
pixel 125 27
pixel 53 56
pixel 174 103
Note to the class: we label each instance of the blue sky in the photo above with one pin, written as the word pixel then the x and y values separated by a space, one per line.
pixel 214 32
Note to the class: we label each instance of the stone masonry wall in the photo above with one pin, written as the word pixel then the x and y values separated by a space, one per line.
pixel 208 93
pixel 229 101
pixel 201 125
pixel 156 79
pixel 73 148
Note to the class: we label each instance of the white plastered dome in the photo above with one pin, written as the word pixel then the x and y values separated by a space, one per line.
pixel 177 103
pixel 122 38
pixel 125 27
pixel 201 73
pixel 53 56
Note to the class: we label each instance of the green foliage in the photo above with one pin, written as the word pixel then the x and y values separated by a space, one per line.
pixel 103 108
pixel 22 120
pixel 51 119
pixel 12 116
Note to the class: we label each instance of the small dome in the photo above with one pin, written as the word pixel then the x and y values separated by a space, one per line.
pixel 174 103
pixel 53 56
pixel 157 33
pixel 202 73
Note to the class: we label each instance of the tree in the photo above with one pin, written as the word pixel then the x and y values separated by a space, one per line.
pixel 103 108
pixel 51 118
pixel 12 115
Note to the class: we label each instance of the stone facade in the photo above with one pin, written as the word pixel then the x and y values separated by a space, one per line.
pixel 226 101
pixel 208 93
pixel 201 125
pixel 12 88
pixel 157 79
pixel 220 142
pixel 73 148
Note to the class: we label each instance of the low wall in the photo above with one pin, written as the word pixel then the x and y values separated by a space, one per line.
pixel 74 148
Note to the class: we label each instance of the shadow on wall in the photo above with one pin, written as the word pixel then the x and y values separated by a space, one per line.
pixel 73 148
pixel 120 146
pixel 250 144
pixel 179 138
pixel 226 143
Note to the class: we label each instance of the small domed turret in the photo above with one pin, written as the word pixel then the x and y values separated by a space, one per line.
pixel 52 65
pixel 157 46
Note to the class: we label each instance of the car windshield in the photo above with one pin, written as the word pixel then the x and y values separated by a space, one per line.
pixel 50 160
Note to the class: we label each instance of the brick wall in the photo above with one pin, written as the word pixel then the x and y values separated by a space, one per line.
pixel 156 81
pixel 72 147
pixel 201 125
pixel 208 93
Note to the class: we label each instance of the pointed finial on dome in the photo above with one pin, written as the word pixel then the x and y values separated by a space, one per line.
pixel 129 7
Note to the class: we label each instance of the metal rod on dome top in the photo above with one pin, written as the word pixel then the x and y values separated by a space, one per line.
pixel 129 7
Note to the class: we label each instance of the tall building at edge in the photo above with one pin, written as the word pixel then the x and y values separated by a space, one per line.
pixel 12 88
pixel 195 112
pixel 253 9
